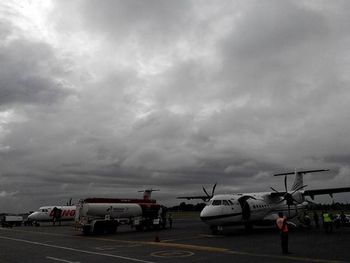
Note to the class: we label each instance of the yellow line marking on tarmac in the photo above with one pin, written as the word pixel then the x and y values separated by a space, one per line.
pixel 213 236
pixel 169 240
pixel 172 254
pixel 192 247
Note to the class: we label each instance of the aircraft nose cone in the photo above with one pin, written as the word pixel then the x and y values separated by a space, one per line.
pixel 33 216
pixel 206 213
pixel 203 213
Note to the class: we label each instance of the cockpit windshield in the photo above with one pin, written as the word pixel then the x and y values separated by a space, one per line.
pixel 221 202
pixel 216 202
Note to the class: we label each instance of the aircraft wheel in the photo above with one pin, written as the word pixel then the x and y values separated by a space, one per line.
pixel 248 227
pixel 214 230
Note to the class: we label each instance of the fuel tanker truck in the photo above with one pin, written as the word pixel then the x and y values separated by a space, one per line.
pixel 105 215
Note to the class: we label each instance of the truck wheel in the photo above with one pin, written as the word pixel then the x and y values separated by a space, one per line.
pixel 112 228
pixel 139 228
pixel 98 228
pixel 86 230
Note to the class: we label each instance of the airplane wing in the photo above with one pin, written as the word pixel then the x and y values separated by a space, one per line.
pixel 303 172
pixel 312 193
pixel 329 191
pixel 205 198
pixel 279 194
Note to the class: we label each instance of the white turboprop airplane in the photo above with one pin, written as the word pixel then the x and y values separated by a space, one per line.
pixel 250 209
pixel 45 213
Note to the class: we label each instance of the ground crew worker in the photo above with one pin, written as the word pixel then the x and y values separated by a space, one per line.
pixel 316 220
pixel 281 223
pixel 58 215
pixel 163 217
pixel 170 219
pixel 54 213
pixel 342 218
pixel 307 220
pixel 327 222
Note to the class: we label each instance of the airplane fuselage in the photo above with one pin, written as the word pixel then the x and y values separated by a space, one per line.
pixel 45 213
pixel 243 209
pixel 259 208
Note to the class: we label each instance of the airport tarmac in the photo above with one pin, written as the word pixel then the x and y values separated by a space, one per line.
pixel 189 241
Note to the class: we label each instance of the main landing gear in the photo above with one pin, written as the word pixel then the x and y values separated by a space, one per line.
pixel 215 230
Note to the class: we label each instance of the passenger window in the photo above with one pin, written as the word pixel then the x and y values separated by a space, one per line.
pixel 226 202
pixel 216 202
pixel 231 203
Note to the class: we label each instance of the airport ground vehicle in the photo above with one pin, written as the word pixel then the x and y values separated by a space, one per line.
pixel 104 215
pixel 9 221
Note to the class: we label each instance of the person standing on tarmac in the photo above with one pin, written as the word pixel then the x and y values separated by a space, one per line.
pixel 342 218
pixel 327 222
pixel 54 218
pixel 315 215
pixel 170 219
pixel 281 223
pixel 56 215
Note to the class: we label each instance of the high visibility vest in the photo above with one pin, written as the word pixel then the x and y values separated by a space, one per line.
pixel 282 225
pixel 326 218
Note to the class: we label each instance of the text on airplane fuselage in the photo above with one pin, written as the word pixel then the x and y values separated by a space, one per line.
pixel 65 212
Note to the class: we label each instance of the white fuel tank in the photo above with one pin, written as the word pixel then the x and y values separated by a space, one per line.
pixel 114 210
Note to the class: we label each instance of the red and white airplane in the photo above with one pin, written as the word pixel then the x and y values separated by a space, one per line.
pixel 250 209
pixel 46 213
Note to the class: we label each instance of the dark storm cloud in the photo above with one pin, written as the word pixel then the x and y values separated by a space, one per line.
pixel 27 74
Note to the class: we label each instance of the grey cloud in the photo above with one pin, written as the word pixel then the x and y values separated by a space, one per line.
pixel 275 28
pixel 152 21
pixel 5 29
pixel 248 89
pixel 29 74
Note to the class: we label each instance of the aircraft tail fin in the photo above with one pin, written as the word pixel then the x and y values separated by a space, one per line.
pixel 147 193
pixel 299 181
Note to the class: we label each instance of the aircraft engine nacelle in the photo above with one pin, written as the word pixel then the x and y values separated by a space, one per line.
pixel 298 197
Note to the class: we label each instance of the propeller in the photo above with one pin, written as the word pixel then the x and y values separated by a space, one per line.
pixel 287 196
pixel 212 191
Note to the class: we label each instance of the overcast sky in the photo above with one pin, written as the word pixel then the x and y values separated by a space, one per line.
pixel 104 98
